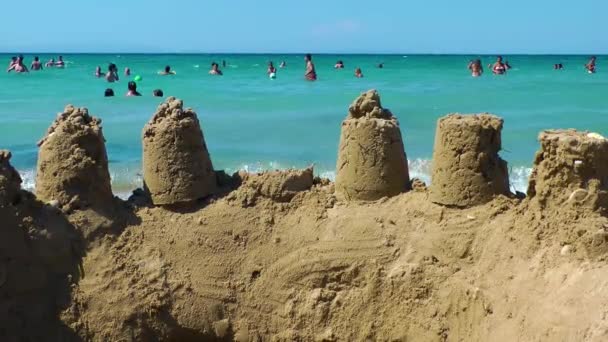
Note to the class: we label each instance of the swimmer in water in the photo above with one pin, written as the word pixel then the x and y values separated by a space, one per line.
pixel 167 71
pixel 127 72
pixel 132 87
pixel 271 68
pixel 590 66
pixel 475 68
pixel 339 65
pixel 18 66
pixel 60 63
pixel 499 68
pixel 109 93
pixel 13 61
pixel 98 72
pixel 358 73
pixel 381 65
pixel 282 65
pixel 36 64
pixel 310 74
pixel 215 70
pixel 157 93
pixel 50 63
pixel 112 74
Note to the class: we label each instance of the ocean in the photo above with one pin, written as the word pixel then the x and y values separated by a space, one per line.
pixel 253 123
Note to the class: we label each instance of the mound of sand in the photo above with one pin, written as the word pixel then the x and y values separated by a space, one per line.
pixel 176 164
pixel 571 167
pixel 10 181
pixel 371 160
pixel 467 169
pixel 39 258
pixel 72 161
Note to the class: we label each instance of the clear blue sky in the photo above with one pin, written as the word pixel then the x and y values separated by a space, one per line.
pixel 401 26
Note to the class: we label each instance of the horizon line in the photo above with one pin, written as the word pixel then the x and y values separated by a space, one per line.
pixel 303 53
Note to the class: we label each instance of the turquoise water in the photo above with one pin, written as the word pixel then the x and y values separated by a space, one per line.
pixel 253 123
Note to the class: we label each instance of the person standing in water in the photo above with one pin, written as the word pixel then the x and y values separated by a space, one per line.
pixel 50 63
pixel 127 72
pixel 98 72
pixel 60 63
pixel 358 73
pixel 36 64
pixel 339 65
pixel 590 66
pixel 13 61
pixel 167 71
pixel 310 74
pixel 215 70
pixel 271 68
pixel 18 66
pixel 499 68
pixel 475 68
pixel 132 89
pixel 112 74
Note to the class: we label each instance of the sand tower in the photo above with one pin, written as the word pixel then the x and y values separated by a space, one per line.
pixel 10 181
pixel 176 164
pixel 72 161
pixel 467 170
pixel 371 160
pixel 571 167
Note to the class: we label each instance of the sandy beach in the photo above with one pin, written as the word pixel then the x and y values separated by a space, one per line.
pixel 201 255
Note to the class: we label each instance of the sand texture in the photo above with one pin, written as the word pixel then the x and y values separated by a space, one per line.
pixel 10 181
pixel 72 161
pixel 371 159
pixel 467 169
pixel 176 164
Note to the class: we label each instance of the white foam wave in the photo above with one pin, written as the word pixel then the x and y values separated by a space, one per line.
pixel 125 180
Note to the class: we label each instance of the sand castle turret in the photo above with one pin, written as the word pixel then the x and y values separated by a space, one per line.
pixel 571 167
pixel 371 159
pixel 10 181
pixel 72 161
pixel 467 169
pixel 176 164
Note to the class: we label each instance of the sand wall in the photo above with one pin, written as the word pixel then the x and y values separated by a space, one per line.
pixel 571 166
pixel 371 159
pixel 72 161
pixel 467 169
pixel 176 164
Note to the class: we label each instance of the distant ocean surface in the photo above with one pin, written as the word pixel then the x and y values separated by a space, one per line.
pixel 251 122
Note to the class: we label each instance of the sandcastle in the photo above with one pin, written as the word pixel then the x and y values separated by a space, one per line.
pixel 176 164
pixel 571 166
pixel 371 159
pixel 72 161
pixel 10 181
pixel 467 169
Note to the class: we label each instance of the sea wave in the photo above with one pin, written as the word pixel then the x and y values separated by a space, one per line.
pixel 127 179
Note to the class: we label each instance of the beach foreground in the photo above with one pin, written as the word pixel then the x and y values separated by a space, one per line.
pixel 286 256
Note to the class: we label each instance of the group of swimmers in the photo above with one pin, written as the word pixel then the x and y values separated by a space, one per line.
pixel 500 68
pixel 17 64
pixel 475 66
